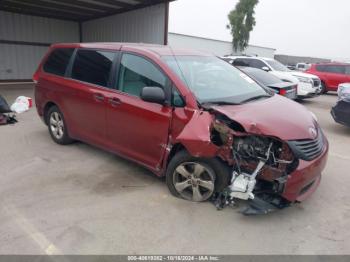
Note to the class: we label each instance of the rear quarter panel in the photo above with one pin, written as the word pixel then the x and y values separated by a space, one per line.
pixel 51 89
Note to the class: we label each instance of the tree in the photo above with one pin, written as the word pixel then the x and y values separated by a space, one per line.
pixel 242 22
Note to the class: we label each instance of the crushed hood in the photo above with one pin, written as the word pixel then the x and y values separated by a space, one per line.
pixel 276 116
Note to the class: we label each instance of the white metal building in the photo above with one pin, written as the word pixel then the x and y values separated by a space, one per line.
pixel 217 47
pixel 28 28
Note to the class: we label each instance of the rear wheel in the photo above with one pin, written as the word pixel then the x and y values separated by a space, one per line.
pixel 196 179
pixel 57 126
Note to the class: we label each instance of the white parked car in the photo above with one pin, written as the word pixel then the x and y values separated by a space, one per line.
pixel 308 85
pixel 302 66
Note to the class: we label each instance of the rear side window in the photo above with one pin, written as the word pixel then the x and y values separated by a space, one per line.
pixel 257 64
pixel 241 62
pixel 321 68
pixel 336 69
pixel 58 61
pixel 136 73
pixel 347 70
pixel 93 66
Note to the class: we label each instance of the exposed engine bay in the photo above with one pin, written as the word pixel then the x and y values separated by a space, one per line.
pixel 260 166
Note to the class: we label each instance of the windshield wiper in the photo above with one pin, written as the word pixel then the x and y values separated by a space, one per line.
pixel 254 98
pixel 219 103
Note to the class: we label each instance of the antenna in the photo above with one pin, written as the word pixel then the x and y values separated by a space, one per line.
pixel 183 75
pixel 178 65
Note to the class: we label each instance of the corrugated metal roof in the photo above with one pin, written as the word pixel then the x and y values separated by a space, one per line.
pixel 75 10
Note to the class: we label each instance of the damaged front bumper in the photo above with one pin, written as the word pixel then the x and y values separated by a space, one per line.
pixel 306 178
pixel 299 186
pixel 278 193
pixel 275 160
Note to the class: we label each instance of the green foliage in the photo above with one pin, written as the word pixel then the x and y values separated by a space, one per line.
pixel 242 22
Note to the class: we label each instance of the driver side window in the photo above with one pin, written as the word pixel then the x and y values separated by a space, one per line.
pixel 136 73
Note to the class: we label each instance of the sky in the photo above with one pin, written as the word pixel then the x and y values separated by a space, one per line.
pixel 318 28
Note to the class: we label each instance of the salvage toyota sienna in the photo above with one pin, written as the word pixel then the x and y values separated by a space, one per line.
pixel 209 128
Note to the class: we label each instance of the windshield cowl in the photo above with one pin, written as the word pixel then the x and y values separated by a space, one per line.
pixel 209 105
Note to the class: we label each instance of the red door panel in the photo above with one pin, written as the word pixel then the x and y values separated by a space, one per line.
pixel 85 106
pixel 137 129
pixel 91 70
pixel 333 80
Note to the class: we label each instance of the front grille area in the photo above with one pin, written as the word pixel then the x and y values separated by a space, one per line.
pixel 316 82
pixel 308 149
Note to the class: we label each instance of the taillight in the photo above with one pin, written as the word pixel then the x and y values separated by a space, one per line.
pixel 283 92
pixel 36 77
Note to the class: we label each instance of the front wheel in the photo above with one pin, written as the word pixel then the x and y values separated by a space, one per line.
pixel 196 179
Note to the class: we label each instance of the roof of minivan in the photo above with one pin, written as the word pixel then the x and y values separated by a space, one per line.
pixel 160 50
pixel 333 63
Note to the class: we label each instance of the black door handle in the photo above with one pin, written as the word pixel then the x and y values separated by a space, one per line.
pixel 115 101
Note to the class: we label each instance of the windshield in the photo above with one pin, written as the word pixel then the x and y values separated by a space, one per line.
pixel 277 66
pixel 214 80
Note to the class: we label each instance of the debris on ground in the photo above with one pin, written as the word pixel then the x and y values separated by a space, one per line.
pixel 223 199
pixel 257 206
pixel 6 114
pixel 6 119
pixel 22 104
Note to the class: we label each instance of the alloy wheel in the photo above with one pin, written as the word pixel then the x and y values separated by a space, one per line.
pixel 194 181
pixel 57 125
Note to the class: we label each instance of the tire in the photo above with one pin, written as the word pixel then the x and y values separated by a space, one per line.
pixel 187 175
pixel 323 88
pixel 57 126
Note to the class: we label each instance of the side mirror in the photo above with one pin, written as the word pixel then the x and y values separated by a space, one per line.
pixel 266 69
pixel 153 94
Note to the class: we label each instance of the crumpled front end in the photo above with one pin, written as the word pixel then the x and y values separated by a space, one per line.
pixel 261 167
pixel 268 172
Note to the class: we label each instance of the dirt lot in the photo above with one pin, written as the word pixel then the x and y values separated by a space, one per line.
pixel 80 200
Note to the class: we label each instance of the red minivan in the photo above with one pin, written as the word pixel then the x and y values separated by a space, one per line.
pixel 331 74
pixel 205 125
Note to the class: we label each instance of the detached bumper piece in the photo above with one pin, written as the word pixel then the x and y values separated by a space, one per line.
pixel 260 205
pixel 341 113
pixel 264 205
